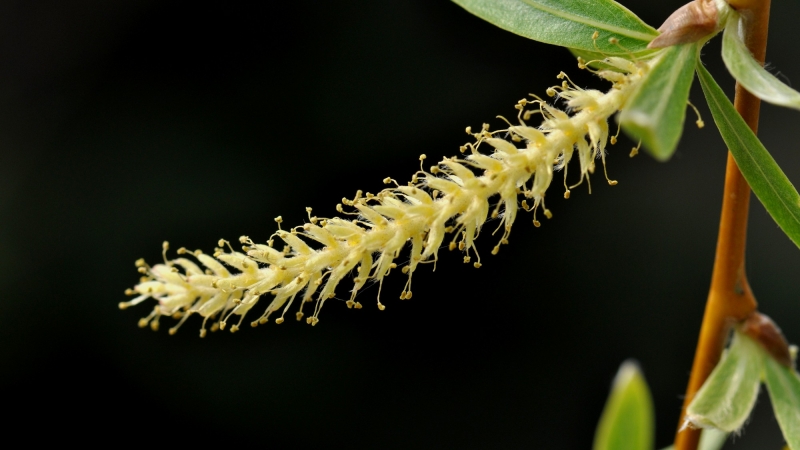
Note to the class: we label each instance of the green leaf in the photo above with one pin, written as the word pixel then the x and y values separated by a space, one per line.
pixel 765 177
pixel 729 394
pixel 783 385
pixel 568 23
pixel 628 421
pixel 749 72
pixel 656 110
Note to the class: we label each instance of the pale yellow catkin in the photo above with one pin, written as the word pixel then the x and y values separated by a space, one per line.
pixel 450 198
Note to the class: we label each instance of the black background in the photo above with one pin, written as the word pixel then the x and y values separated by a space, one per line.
pixel 125 123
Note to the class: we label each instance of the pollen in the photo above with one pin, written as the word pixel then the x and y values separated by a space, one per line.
pixel 457 196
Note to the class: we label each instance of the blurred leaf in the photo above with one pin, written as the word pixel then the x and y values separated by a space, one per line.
pixel 749 72
pixel 783 385
pixel 711 439
pixel 568 23
pixel 655 112
pixel 729 394
pixel 765 177
pixel 628 420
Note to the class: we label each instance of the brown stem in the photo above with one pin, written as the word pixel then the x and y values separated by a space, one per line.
pixel 730 299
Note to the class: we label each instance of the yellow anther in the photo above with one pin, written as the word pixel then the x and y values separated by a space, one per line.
pixel 536 223
pixel 476 265
pixel 566 193
pixel 452 246
pixel 548 214
pixel 299 316
pixel 466 260
pixel 279 320
pixel 496 250
pixel 381 306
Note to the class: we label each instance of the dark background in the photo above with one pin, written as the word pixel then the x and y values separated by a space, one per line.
pixel 125 123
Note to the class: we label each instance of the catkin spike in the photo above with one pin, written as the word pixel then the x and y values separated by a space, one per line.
pixel 455 196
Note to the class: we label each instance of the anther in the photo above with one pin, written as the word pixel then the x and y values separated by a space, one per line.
pixel 469 130
pixel 612 182
pixel 466 260
pixel 299 316
pixel 476 265
pixel 452 246
pixel 496 250
pixel 279 320
pixel 234 328
pixel 566 193
pixel 381 306
pixel 536 223
pixel 548 214
pixel 422 157
pixel 357 305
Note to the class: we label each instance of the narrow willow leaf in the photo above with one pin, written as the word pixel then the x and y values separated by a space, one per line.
pixel 783 385
pixel 765 177
pixel 711 439
pixel 749 72
pixel 729 394
pixel 568 23
pixel 656 111
pixel 628 420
